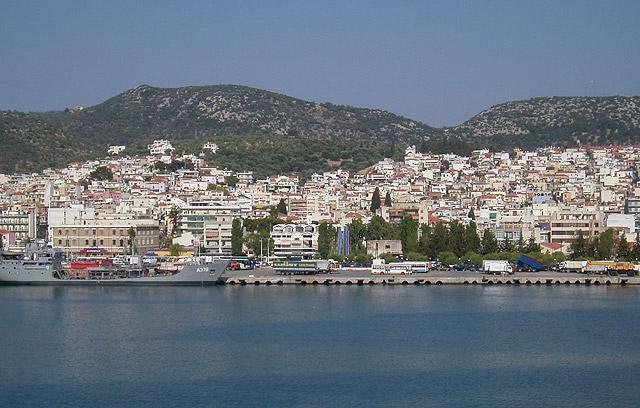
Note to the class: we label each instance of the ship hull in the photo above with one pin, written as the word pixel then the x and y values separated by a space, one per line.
pixel 190 275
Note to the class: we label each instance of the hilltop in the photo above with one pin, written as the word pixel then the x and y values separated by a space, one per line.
pixel 560 121
pixel 268 132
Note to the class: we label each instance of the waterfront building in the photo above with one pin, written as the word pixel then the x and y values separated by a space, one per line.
pixel 295 240
pixel 22 223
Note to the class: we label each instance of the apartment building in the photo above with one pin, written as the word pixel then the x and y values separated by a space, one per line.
pixel 565 224
pixel 110 235
pixel 22 224
pixel 295 240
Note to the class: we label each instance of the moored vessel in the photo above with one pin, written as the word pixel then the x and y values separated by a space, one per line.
pixel 44 267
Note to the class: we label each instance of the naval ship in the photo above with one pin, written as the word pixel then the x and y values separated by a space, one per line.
pixel 44 267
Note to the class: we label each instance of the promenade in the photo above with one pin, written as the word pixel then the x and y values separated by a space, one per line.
pixel 267 276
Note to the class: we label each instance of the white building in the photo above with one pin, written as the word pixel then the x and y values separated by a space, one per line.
pixel 295 240
pixel 160 147
pixel 114 150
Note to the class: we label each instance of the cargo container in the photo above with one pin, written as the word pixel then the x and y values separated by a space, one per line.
pixel 310 267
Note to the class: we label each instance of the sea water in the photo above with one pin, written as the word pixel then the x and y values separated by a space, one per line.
pixel 453 346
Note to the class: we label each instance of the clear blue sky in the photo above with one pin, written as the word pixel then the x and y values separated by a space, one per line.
pixel 435 61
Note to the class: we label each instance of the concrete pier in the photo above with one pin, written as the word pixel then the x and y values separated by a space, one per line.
pixel 361 277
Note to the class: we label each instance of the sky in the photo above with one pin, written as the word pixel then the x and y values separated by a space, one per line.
pixel 439 62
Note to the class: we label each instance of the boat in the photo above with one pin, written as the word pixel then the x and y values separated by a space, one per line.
pixel 44 267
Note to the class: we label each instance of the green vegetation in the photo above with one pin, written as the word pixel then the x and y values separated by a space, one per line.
pixel 387 199
pixel 236 237
pixel 281 208
pixel 175 249
pixel 375 201
pixel 605 246
pixel 102 173
pixel 326 240
pixel 279 134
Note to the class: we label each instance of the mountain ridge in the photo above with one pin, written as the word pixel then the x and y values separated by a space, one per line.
pixel 343 135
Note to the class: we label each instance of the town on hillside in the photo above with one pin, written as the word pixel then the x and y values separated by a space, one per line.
pixel 552 203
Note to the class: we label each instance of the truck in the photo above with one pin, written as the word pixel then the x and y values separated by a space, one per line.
pixel 610 268
pixel 573 266
pixel 528 263
pixel 497 267
pixel 302 267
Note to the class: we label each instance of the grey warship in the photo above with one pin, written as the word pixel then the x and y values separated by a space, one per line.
pixel 44 267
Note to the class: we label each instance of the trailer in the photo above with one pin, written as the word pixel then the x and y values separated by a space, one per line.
pixel 573 266
pixel 611 268
pixel 497 267
pixel 528 262
pixel 310 267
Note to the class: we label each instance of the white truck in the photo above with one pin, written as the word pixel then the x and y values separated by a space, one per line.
pixel 497 267
pixel 573 266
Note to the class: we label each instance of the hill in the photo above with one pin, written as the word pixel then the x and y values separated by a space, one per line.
pixel 225 113
pixel 272 133
pixel 560 121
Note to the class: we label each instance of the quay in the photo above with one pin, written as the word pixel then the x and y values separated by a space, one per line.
pixel 364 277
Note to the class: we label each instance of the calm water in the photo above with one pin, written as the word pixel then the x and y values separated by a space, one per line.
pixel 320 346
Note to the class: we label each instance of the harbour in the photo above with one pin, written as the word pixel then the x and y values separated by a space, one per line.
pixel 364 277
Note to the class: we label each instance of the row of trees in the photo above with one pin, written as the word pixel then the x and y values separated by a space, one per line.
pixel 449 243
pixel 453 243
pixel 605 246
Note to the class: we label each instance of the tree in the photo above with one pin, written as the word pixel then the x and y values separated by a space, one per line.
pixel 131 233
pixel 532 246
pixel 357 235
pixel 326 240
pixel 440 239
pixel 579 246
pixel 448 258
pixel 102 173
pixel 281 208
pixel 378 228
pixel 472 258
pixel 635 253
pixel 259 243
pixel 507 245
pixel 173 219
pixel 520 246
pixel 236 237
pixel 231 181
pixel 375 200
pixel 471 214
pixel 408 232
pixel 605 244
pixel 489 242
pixel 175 249
pixel 387 199
pixel 591 250
pixel 424 244
pixel 456 238
pixel 623 251
pixel 471 238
